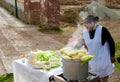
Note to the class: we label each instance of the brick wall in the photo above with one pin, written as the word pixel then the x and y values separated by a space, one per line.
pixel 50 13
pixel 32 11
pixel 44 12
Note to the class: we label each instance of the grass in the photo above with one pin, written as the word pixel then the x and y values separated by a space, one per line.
pixel 43 28
pixel 6 78
pixel 9 77
pixel 117 54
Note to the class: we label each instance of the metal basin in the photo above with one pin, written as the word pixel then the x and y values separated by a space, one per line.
pixel 74 69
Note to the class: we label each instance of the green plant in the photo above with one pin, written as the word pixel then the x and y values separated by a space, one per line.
pixel 43 28
pixel 117 46
pixel 117 54
pixel 6 78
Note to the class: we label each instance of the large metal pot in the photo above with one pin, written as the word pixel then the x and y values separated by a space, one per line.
pixel 74 69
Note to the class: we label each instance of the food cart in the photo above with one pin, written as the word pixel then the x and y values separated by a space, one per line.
pixel 69 71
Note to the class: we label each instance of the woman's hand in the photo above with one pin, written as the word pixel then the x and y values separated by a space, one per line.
pixel 112 59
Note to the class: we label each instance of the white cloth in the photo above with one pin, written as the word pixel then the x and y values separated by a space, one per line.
pixel 100 64
pixel 25 73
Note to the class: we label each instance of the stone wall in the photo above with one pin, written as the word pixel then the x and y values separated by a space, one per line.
pixel 50 12
pixel 44 12
pixel 10 6
pixel 109 3
pixel 74 2
pixel 32 11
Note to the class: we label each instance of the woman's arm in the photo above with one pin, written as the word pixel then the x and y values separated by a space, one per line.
pixel 106 36
pixel 79 44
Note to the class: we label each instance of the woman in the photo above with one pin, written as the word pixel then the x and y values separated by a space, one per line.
pixel 100 43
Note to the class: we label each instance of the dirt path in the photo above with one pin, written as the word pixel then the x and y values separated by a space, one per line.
pixel 17 38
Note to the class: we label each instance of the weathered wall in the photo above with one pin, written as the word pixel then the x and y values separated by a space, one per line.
pixel 50 12
pixel 10 6
pixel 74 2
pixel 102 1
pixel 44 12
pixel 32 11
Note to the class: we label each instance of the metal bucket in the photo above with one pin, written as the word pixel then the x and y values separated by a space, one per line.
pixel 74 69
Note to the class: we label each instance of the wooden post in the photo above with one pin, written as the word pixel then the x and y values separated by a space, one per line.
pixel 16 9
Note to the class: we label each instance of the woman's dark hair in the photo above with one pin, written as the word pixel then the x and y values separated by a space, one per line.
pixel 91 18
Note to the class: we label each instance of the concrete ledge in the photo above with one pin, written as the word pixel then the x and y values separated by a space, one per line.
pixel 10 6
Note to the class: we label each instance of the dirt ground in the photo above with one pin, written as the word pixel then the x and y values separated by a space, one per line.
pixel 111 25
